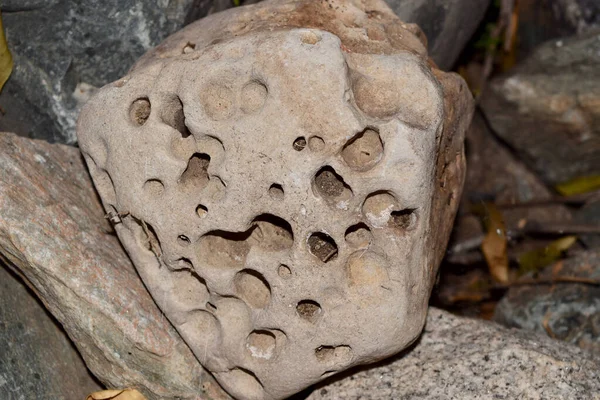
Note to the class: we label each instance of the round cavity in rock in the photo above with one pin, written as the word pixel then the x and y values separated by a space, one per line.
pixel 322 246
pixel 316 143
pixel 139 111
pixel 276 192
pixel 273 233
pixel 330 186
pixel 310 37
pixel 253 98
pixel 284 271
pixel 253 288
pixel 366 268
pixel 363 151
pixel 183 240
pixel 378 208
pixel 188 48
pixel 218 101
pixel 333 354
pixel 172 115
pixel 201 331
pixel 223 250
pixel 358 236
pixel 154 187
pixel 309 310
pixel 261 344
pixel 299 143
pixel 241 383
pixel 403 220
pixel 196 174
pixel 201 211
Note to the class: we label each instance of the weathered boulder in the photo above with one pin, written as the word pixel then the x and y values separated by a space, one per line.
pixel 548 108
pixel 566 306
pixel 63 50
pixel 461 358
pixel 265 146
pixel 35 353
pixel 53 232
pixel 44 184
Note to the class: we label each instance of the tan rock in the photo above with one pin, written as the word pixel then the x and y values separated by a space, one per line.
pixel 284 177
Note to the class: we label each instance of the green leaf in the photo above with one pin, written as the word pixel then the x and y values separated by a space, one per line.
pixel 580 185
pixel 537 259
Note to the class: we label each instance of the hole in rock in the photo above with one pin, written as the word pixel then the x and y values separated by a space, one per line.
pixel 261 344
pixel 404 219
pixel 333 354
pixel 378 208
pixel 222 249
pixel 188 48
pixel 201 211
pixel 253 288
pixel 310 37
pixel 363 151
pixel 150 241
pixel 331 187
pixel 284 272
pixel 276 192
pixel 183 240
pixel 322 246
pixel 218 101
pixel 253 97
pixel 154 187
pixel 367 268
pixel 172 115
pixel 299 143
pixel 139 111
pixel 309 310
pixel 196 175
pixel 315 143
pixel 358 235
pixel 273 233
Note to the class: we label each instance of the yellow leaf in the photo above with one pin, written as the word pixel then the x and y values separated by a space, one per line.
pixel 583 184
pixel 494 245
pixel 537 259
pixel 6 61
pixel 119 394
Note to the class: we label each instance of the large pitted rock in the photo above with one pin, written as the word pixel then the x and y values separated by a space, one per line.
pixel 284 177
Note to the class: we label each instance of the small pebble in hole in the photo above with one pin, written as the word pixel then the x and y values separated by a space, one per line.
pixel 189 47
pixel 139 112
pixel 299 143
pixel 309 310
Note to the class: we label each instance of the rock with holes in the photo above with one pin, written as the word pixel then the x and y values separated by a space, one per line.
pixel 284 177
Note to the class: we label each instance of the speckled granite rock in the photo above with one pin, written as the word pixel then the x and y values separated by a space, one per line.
pixel 263 147
pixel 463 359
pixel 53 232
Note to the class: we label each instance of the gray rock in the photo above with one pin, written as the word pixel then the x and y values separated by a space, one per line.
pixel 64 49
pixel 461 358
pixel 448 24
pixel 548 110
pixel 53 232
pixel 35 353
pixel 564 311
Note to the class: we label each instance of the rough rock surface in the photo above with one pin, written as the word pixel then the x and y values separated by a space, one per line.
pixel 460 358
pixel 452 359
pixel 448 24
pixel 567 307
pixel 35 353
pixel 64 49
pixel 52 231
pixel 282 176
pixel 548 109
